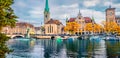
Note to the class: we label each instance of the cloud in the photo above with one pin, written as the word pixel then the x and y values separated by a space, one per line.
pixel 21 4
pixel 33 10
pixel 98 15
pixel 36 12
pixel 64 11
pixel 90 3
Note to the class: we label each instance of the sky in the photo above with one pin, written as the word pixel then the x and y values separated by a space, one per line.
pixel 32 11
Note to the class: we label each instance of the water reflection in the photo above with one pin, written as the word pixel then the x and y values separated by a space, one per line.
pixel 113 49
pixel 46 48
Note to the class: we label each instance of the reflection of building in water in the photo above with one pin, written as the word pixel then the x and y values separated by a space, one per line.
pixel 20 47
pixel 52 48
pixel 20 28
pixel 113 49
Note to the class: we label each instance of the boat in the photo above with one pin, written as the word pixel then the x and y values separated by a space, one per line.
pixel 111 38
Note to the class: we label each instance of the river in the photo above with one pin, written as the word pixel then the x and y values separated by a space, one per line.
pixel 46 48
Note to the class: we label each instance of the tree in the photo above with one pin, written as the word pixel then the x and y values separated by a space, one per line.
pixel 93 27
pixel 7 18
pixel 111 27
pixel 72 27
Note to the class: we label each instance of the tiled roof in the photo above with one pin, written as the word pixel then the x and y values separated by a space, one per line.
pixel 24 24
pixel 87 19
pixel 37 28
pixel 51 21
pixel 71 19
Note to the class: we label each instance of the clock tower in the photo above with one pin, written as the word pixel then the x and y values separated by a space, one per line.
pixel 46 12
pixel 110 14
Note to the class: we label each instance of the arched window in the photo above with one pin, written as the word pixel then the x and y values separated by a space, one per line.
pixel 48 29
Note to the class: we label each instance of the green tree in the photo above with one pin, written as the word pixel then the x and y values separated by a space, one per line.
pixel 7 18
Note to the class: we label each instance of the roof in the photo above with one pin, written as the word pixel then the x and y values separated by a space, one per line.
pixel 24 24
pixel 37 28
pixel 88 19
pixel 110 9
pixel 117 17
pixel 51 21
pixel 71 19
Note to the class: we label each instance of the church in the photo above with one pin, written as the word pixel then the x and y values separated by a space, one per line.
pixel 52 26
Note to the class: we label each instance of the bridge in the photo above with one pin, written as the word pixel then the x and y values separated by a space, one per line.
pixel 45 36
pixel 13 36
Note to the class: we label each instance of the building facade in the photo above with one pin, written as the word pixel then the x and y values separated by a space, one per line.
pixel 110 14
pixel 82 21
pixel 46 12
pixel 118 20
pixel 20 28
pixel 51 26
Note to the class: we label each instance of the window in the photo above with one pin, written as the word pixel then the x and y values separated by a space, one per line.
pixel 48 29
pixel 46 16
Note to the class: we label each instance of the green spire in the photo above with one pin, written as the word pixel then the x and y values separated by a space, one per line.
pixel 46 6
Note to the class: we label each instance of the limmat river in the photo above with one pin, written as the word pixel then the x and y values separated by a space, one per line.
pixel 70 48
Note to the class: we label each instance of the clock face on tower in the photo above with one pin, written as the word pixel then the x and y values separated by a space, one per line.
pixel 110 13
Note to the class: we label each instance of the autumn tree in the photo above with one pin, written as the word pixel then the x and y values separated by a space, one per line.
pixel 72 27
pixel 7 18
pixel 93 27
pixel 111 27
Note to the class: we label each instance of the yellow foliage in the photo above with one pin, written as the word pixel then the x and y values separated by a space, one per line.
pixel 72 27
pixel 93 27
pixel 111 27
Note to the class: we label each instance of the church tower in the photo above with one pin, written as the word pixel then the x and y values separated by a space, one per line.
pixel 46 12
pixel 79 15
pixel 110 14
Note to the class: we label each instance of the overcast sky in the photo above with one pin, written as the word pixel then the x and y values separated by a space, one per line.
pixel 31 11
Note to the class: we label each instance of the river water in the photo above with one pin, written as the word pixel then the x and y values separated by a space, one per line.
pixel 46 48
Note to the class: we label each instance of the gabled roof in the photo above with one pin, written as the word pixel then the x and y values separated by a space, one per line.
pixel 24 24
pixel 71 20
pixel 88 19
pixel 51 21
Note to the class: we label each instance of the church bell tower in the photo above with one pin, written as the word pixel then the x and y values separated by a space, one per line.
pixel 46 12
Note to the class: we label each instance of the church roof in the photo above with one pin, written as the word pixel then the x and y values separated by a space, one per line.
pixel 88 19
pixel 51 21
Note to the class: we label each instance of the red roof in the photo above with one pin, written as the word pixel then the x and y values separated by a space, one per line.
pixel 71 19
pixel 24 24
pixel 52 21
pixel 87 19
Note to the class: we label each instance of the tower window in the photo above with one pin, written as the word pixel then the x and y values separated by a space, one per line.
pixel 46 16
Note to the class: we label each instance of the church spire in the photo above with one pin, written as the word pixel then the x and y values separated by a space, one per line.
pixel 79 12
pixel 47 6
pixel 79 15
